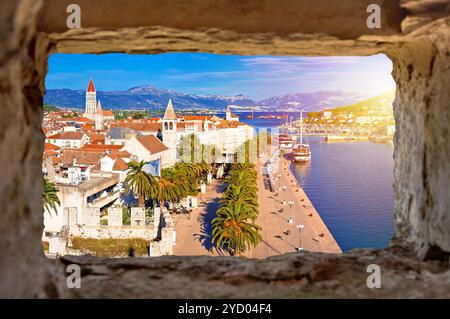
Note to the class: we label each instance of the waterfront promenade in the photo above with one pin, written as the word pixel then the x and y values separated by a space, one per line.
pixel 279 236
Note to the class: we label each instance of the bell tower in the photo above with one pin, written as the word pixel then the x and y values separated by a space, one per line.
pixel 169 132
pixel 91 101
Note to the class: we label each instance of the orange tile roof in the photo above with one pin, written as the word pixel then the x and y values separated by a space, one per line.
pixel 120 165
pixel 81 157
pixel 100 147
pixel 81 119
pixel 142 127
pixel 87 127
pixel 108 113
pixel 228 124
pixel 67 136
pixel 197 117
pixel 91 87
pixel 50 146
pixel 152 143
pixel 95 137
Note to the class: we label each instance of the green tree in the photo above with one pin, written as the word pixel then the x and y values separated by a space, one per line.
pixel 50 196
pixel 142 184
pixel 234 229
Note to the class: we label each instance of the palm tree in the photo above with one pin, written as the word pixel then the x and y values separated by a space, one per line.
pixel 50 196
pixel 243 195
pixel 234 229
pixel 172 190
pixel 144 185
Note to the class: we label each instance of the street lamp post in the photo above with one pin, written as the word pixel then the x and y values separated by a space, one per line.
pixel 284 188
pixel 300 227
pixel 290 220
pixel 282 198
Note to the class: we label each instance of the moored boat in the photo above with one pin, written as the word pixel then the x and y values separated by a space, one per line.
pixel 301 152
pixel 285 141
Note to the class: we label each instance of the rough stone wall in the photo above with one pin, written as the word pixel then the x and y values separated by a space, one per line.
pixel 288 276
pixel 422 148
pixel 22 69
pixel 115 216
pixel 106 232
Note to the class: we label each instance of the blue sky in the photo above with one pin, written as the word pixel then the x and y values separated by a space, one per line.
pixel 257 77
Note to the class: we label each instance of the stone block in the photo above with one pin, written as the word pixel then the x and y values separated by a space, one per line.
pixel 115 216
pixel 137 216
pixel 92 216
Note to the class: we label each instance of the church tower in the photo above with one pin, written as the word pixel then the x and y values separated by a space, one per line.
pixel 99 117
pixel 169 132
pixel 91 101
pixel 228 114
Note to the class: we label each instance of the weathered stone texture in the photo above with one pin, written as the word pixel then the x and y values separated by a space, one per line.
pixel 115 216
pixel 22 262
pixel 309 275
pixel 422 148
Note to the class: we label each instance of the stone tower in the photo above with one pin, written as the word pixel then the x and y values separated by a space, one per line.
pixel 91 101
pixel 169 132
pixel 99 117
pixel 228 114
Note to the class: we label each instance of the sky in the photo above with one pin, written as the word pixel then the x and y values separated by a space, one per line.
pixel 257 77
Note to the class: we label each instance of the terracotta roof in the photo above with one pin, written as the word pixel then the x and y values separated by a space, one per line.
pixel 108 113
pixel 196 117
pixel 170 113
pixel 91 87
pixel 122 154
pixel 120 165
pixel 152 143
pixel 87 127
pixel 142 127
pixel 50 152
pixel 81 157
pixel 67 136
pixel 227 124
pixel 100 147
pixel 49 146
pixel 96 137
pixel 81 119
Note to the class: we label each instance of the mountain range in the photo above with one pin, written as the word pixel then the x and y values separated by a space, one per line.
pixel 149 97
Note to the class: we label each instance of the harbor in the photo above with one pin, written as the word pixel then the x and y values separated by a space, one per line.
pixel 289 221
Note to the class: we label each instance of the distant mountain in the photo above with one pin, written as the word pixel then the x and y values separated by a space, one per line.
pixel 143 97
pixel 314 101
pixel 155 98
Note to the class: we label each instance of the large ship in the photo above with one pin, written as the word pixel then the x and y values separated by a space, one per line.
pixel 301 152
pixel 285 141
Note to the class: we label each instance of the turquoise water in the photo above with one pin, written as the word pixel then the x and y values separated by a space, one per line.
pixel 350 184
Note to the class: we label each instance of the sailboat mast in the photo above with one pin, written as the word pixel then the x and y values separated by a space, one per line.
pixel 301 127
